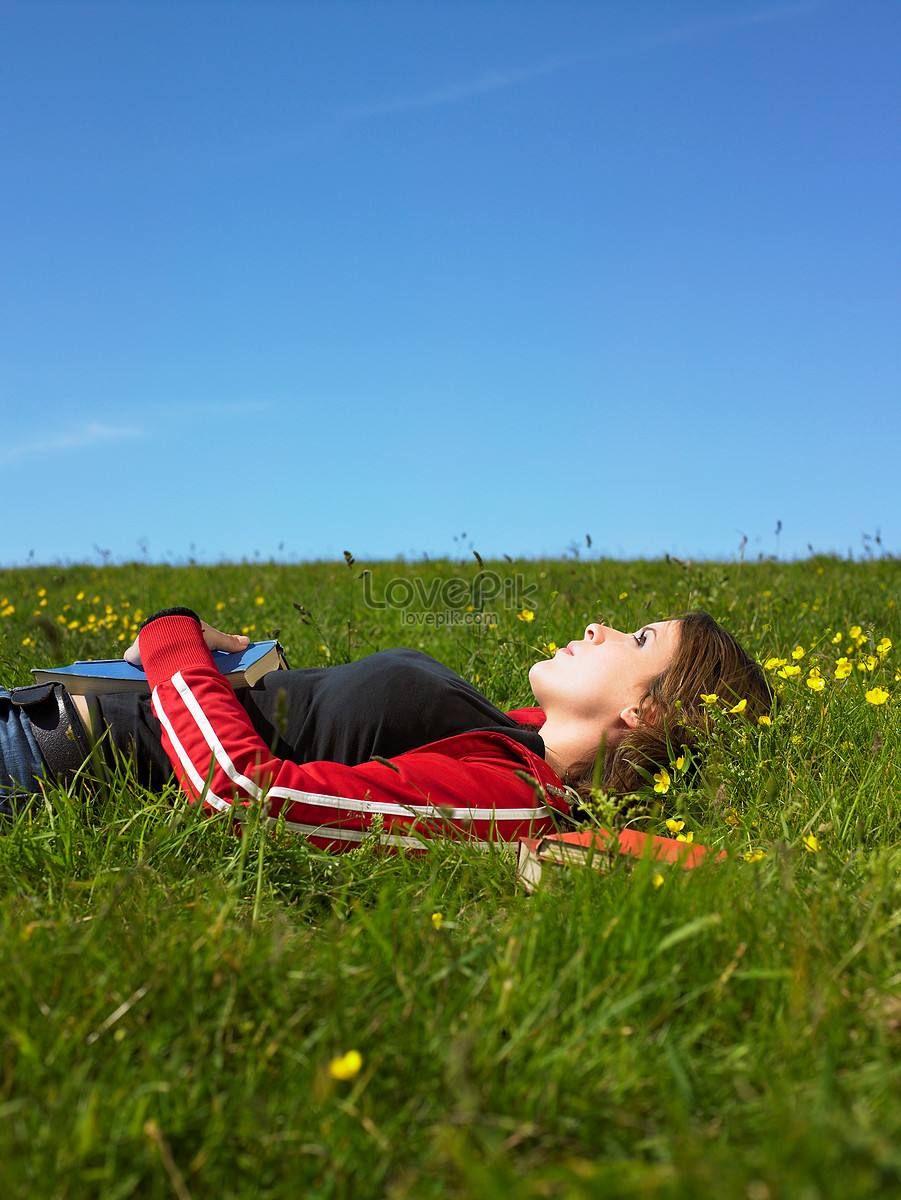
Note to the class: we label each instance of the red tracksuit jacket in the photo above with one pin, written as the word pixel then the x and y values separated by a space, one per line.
pixel 482 786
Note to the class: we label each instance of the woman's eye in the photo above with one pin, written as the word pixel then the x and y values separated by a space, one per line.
pixel 641 638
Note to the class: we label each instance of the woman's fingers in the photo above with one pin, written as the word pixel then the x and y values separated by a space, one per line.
pixel 217 640
pixel 214 638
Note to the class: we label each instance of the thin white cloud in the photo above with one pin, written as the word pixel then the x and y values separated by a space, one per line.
pixel 83 437
pixel 155 419
pixel 490 81
pixel 496 80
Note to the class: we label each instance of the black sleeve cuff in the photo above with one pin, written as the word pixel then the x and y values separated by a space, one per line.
pixel 178 611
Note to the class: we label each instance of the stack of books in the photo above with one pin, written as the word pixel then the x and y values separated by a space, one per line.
pixel 242 668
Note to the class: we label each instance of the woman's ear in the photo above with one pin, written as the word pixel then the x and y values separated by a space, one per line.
pixel 631 716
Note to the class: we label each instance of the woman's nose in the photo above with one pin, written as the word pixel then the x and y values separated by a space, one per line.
pixel 602 633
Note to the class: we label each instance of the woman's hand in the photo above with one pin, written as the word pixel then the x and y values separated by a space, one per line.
pixel 214 638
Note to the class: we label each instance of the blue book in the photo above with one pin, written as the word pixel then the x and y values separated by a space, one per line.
pixel 242 668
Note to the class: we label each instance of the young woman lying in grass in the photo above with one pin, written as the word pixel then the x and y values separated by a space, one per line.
pixel 397 739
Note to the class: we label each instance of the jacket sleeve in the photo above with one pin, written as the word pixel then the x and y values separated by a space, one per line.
pixel 481 791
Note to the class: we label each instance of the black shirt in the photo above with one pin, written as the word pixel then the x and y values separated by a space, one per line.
pixel 385 705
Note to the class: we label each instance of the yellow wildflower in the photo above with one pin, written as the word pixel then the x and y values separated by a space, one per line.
pixel 662 781
pixel 842 668
pixel 854 632
pixel 346 1066
pixel 764 720
pixel 259 599
pixel 810 843
pixel 525 615
pixel 876 695
pixel 624 595
pixel 675 826
pixel 754 856
pixel 657 879
pixel 837 639
pixel 437 919
pixel 685 837
pixel 884 646
pixel 551 648
pixel 709 698
pixel 798 652
pixel 740 707
pixel 788 672
pixel 772 664
pixel 680 762
pixel 815 681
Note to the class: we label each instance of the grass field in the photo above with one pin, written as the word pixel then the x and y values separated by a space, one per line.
pixel 187 1014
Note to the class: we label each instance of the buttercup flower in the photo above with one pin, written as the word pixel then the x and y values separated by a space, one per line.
pixel 685 837
pixel 788 672
pixel 876 695
pixel 772 664
pixel 883 647
pixel 740 707
pixel 810 843
pixel 675 826
pixel 837 639
pixel 798 652
pixel 662 782
pixel 680 762
pixel 346 1066
pixel 842 668
pixel 754 856
pixel 525 615
pixel 709 698
pixel 657 879
pixel 815 681
pixel 437 919
pixel 764 720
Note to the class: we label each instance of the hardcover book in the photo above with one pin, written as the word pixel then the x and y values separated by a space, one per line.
pixel 597 848
pixel 242 668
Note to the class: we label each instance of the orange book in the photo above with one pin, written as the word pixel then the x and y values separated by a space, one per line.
pixel 596 847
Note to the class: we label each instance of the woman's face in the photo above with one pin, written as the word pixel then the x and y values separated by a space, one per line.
pixel 605 675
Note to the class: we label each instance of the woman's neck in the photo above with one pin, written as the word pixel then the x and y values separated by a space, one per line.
pixel 567 745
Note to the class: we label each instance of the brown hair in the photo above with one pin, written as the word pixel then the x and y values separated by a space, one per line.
pixel 708 661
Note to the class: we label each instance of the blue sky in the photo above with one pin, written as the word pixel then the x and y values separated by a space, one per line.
pixel 286 278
